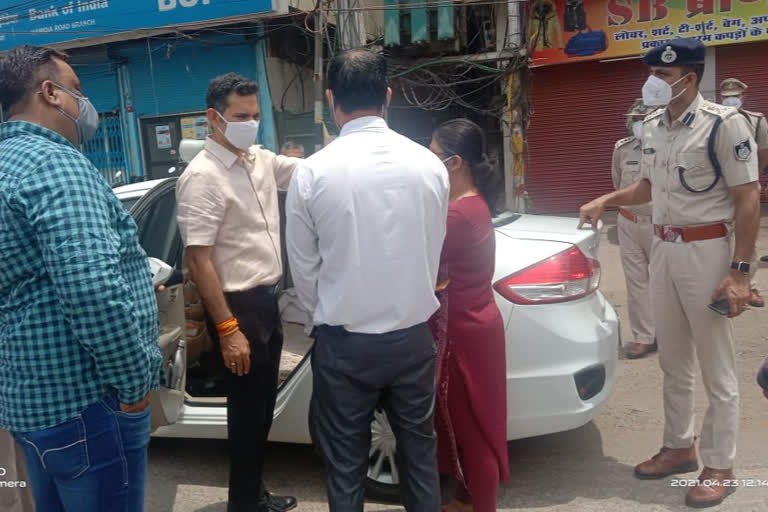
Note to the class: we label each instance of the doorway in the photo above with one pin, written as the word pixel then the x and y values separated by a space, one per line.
pixel 161 136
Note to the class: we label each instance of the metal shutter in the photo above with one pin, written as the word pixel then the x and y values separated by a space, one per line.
pixel 748 63
pixel 578 115
pixel 176 81
pixel 99 82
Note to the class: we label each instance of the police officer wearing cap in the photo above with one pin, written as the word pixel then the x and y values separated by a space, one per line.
pixel 635 234
pixel 700 166
pixel 734 94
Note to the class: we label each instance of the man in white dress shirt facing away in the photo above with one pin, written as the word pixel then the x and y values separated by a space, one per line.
pixel 365 226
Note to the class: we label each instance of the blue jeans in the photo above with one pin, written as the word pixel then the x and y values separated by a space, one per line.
pixel 96 462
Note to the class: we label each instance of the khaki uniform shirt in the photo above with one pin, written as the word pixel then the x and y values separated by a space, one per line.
pixel 625 170
pixel 676 152
pixel 229 201
pixel 760 128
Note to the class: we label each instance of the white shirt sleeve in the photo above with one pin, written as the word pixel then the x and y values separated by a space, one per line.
pixel 301 239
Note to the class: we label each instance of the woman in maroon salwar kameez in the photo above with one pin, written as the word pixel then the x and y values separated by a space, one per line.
pixel 471 412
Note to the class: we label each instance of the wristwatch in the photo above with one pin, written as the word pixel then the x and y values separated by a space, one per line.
pixel 741 266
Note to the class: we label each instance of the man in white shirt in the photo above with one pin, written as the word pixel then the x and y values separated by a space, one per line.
pixel 365 226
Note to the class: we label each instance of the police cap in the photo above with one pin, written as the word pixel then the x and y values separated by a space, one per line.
pixel 732 87
pixel 677 52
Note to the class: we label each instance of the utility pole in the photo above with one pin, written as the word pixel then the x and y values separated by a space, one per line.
pixel 348 24
pixel 319 26
pixel 508 23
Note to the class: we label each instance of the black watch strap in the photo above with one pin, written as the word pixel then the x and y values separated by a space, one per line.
pixel 741 266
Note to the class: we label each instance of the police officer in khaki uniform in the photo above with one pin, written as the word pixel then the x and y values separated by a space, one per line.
pixel 700 166
pixel 733 93
pixel 635 235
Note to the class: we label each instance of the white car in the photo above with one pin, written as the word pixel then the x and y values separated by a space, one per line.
pixel 562 336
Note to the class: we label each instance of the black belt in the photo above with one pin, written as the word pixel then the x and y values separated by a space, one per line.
pixel 259 291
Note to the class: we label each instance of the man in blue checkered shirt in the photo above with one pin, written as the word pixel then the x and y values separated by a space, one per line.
pixel 78 316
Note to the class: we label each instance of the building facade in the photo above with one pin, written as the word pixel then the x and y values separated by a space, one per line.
pixel 145 65
pixel 586 70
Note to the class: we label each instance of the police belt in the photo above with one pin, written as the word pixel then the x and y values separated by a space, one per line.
pixel 690 234
pixel 637 219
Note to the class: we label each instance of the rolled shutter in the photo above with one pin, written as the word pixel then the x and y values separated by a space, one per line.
pixel 578 115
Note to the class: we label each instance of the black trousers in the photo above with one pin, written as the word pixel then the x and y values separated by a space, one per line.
pixel 251 398
pixel 353 374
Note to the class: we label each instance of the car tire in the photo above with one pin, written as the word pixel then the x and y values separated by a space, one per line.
pixel 380 485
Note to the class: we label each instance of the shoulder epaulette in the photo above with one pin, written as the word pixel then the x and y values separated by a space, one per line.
pixel 655 114
pixel 720 111
pixel 753 114
pixel 623 142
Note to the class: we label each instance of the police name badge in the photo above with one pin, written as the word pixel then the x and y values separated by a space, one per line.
pixel 743 150
pixel 669 56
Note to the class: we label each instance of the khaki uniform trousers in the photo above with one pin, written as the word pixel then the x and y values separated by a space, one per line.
pixel 635 240
pixel 683 278
pixel 12 469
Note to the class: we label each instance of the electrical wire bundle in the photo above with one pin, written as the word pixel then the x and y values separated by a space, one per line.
pixel 443 83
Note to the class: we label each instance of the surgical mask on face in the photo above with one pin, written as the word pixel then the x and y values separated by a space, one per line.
pixel 87 120
pixel 732 101
pixel 658 93
pixel 241 134
pixel 637 129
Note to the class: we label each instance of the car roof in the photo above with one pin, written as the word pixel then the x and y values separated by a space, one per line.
pixel 135 190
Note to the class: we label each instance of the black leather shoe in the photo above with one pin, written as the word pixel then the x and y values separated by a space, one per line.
pixel 280 503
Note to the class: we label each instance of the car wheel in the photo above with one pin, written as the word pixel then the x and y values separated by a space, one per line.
pixel 382 483
pixel 383 479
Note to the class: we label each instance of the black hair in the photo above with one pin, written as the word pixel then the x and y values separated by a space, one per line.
pixel 464 138
pixel 358 80
pixel 698 69
pixel 22 70
pixel 289 144
pixel 222 86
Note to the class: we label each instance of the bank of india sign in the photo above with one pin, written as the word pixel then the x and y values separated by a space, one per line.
pixel 60 21
pixel 560 31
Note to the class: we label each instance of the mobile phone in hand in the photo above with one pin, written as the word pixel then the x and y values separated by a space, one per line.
pixel 721 306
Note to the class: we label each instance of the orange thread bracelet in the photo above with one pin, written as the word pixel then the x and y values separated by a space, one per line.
pixel 227 327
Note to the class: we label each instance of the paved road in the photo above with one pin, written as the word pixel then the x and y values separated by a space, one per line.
pixel 586 470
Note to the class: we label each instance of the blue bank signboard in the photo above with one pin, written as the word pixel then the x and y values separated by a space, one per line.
pixel 58 21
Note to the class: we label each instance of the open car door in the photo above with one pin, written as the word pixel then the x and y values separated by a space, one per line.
pixel 155 216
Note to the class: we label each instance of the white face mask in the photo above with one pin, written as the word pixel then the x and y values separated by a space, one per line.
pixel 658 93
pixel 242 134
pixel 637 129
pixel 732 101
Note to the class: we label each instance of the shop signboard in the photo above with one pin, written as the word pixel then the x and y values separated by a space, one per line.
pixel 561 31
pixel 61 21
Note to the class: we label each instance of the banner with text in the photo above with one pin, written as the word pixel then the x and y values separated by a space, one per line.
pixel 561 31
pixel 57 21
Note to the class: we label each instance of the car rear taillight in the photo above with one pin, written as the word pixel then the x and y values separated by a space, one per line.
pixel 565 276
